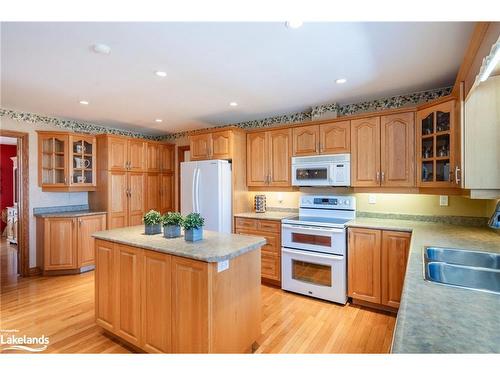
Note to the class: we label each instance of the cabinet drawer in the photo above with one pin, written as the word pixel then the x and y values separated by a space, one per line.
pixel 269 226
pixel 245 223
pixel 270 266
pixel 273 243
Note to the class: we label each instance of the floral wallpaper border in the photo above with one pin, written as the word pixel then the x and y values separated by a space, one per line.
pixel 317 112
pixel 72 125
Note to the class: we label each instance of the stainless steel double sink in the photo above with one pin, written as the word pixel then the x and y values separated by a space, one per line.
pixel 474 270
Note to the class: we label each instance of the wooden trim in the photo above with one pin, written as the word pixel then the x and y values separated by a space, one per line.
pixel 23 201
pixel 34 271
pixel 376 306
pixel 470 54
pixel 180 159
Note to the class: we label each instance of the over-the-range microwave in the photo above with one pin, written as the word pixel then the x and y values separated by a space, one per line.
pixel 321 170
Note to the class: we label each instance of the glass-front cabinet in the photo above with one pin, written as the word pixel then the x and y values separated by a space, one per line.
pixel 66 161
pixel 437 146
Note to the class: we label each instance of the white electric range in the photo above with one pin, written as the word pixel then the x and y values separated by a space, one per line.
pixel 313 254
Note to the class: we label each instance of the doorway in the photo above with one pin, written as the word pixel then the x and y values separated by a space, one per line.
pixel 183 154
pixel 15 189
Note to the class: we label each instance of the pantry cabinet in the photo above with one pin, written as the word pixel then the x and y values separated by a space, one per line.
pixel 377 262
pixel 66 162
pixel 330 138
pixel 438 146
pixel 214 145
pixel 268 158
pixel 167 192
pixel 382 151
pixel 65 244
pixel 153 193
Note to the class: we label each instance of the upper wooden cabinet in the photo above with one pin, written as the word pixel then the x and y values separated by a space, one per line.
pixel 377 265
pixel 215 145
pixel 153 157
pixel 332 138
pixel 365 152
pixel 137 155
pixel 397 150
pixel 167 158
pixel 438 161
pixel 382 151
pixel 66 161
pixel 122 153
pixel 268 158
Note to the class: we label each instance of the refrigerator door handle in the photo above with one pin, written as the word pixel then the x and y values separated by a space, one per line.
pixel 196 206
pixel 193 188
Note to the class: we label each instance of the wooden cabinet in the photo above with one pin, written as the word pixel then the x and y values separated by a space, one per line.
pixel 268 158
pixel 438 146
pixel 167 158
pixel 156 301
pixel 167 192
pixel 136 155
pixel 397 150
pixel 87 225
pixel 105 285
pixel 395 246
pixel 117 152
pixel 153 157
pixel 65 244
pixel 215 145
pixel 128 271
pixel 122 153
pixel 364 264
pixel 162 303
pixel 330 138
pixel 66 161
pixel 376 265
pixel 365 152
pixel 189 306
pixel 382 151
pixel 271 251
pixel 136 183
pixel 117 199
pixel 306 140
pixel 153 194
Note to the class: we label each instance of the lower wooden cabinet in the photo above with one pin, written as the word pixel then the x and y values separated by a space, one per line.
pixel 162 303
pixel 271 251
pixel 376 265
pixel 65 244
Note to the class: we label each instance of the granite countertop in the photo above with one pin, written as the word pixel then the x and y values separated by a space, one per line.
pixel 435 318
pixel 214 247
pixel 70 213
pixel 268 215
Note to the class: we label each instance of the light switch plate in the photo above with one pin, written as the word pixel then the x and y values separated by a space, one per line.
pixel 372 199
pixel 443 200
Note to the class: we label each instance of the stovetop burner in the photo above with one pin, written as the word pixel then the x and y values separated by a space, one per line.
pixel 317 220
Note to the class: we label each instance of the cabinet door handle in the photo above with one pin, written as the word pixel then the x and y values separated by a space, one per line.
pixel 457 177
pixel 378 176
pixel 383 176
pixel 80 222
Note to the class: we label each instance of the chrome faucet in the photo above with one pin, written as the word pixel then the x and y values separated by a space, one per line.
pixel 494 221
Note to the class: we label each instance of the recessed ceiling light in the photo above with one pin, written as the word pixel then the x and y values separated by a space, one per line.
pixel 158 120
pixel 341 80
pixel 101 48
pixel 233 104
pixel 84 102
pixel 293 24
pixel 159 73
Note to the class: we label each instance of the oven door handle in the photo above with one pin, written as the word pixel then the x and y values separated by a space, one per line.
pixel 312 254
pixel 313 229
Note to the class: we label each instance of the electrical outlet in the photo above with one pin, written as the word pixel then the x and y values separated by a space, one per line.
pixel 372 199
pixel 443 200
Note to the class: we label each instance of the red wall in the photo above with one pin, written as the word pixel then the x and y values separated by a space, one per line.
pixel 6 183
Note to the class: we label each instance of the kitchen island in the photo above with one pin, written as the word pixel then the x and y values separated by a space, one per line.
pixel 172 296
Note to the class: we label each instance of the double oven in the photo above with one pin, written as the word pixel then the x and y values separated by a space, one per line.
pixel 314 247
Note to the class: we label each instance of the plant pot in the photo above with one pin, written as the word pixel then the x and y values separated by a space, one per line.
pixel 171 231
pixel 152 229
pixel 193 234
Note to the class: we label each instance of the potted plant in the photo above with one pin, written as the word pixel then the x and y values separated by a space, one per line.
pixel 152 222
pixel 172 222
pixel 193 227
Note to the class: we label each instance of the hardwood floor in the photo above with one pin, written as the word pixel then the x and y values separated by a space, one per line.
pixel 62 308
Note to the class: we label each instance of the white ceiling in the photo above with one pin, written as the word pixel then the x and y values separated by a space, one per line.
pixel 47 68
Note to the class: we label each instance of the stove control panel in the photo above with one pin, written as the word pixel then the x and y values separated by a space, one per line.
pixel 332 202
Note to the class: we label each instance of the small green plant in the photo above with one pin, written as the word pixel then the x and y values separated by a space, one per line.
pixel 172 218
pixel 152 218
pixel 193 221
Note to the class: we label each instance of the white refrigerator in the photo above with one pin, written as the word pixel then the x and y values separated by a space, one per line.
pixel 206 189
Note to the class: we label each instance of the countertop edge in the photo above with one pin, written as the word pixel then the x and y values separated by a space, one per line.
pixel 70 214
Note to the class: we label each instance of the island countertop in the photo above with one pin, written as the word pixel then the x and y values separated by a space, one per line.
pixel 434 318
pixel 214 247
